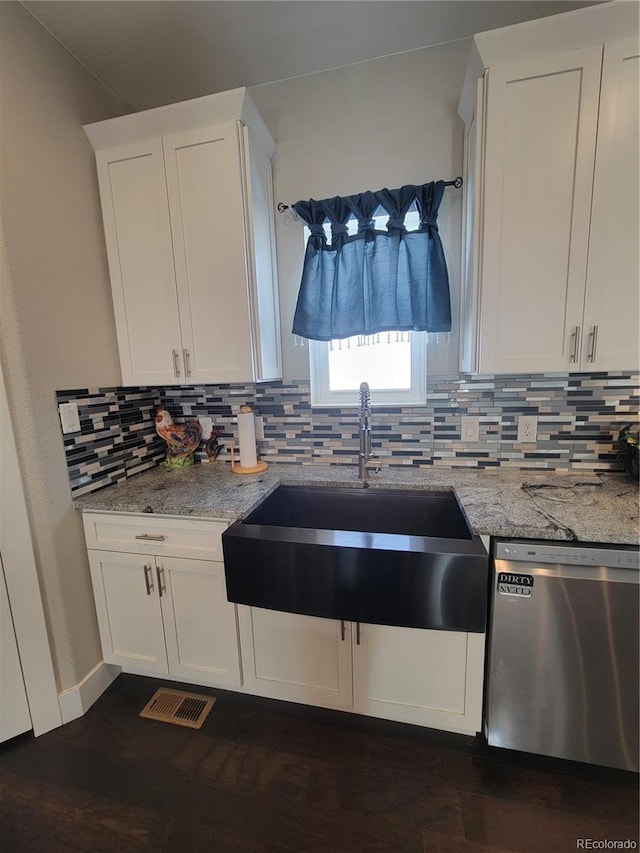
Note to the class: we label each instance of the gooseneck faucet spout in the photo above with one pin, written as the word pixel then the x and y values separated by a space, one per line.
pixel 365 454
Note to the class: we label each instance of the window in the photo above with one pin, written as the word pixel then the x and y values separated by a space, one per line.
pixel 395 370
pixel 393 363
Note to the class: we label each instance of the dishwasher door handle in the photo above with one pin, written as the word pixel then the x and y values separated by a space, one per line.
pixel 564 572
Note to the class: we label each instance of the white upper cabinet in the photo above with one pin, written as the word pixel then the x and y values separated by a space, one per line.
pixel 612 309
pixel 187 203
pixel 551 224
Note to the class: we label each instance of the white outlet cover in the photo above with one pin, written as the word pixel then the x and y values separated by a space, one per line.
pixel 527 429
pixel 470 428
pixel 69 417
pixel 207 425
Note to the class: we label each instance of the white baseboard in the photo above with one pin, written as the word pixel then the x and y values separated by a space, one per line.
pixel 77 700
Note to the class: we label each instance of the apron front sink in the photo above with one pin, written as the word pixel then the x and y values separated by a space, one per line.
pixel 380 556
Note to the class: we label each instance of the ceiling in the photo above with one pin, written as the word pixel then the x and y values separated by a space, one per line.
pixel 154 52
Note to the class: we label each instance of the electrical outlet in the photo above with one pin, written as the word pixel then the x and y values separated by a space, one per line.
pixel 259 422
pixel 470 429
pixel 69 417
pixel 206 425
pixel 527 428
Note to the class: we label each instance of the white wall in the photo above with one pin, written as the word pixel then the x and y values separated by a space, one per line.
pixel 383 123
pixel 56 320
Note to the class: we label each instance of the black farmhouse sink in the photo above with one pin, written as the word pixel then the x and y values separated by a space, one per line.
pixel 381 556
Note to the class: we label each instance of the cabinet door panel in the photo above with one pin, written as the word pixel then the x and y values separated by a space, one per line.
pixel 540 143
pixel 472 236
pixel 612 307
pixel 200 624
pixel 262 259
pixel 298 658
pixel 129 615
pixel 15 717
pixel 138 239
pixel 207 216
pixel 419 676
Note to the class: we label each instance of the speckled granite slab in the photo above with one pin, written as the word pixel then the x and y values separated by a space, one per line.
pixel 528 504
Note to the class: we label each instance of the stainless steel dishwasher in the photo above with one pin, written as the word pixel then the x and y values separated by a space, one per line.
pixel 562 672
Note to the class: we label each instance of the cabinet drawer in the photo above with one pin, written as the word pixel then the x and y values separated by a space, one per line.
pixel 150 534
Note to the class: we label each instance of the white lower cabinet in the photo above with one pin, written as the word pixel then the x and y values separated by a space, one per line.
pixel 160 594
pixel 164 610
pixel 412 675
pixel 129 610
pixel 297 658
pixel 166 615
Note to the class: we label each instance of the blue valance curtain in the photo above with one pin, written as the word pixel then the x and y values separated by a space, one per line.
pixel 373 280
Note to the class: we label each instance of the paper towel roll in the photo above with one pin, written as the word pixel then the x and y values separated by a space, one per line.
pixel 247 438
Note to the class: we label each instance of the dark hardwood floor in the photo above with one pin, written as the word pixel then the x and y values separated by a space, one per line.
pixel 263 775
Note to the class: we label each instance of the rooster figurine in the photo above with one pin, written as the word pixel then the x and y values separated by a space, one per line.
pixel 182 439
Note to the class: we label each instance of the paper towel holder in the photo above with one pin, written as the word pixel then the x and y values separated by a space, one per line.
pixel 240 469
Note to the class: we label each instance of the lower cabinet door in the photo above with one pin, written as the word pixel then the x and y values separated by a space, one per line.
pixel 413 675
pixel 296 658
pixel 128 610
pixel 200 625
pixel 15 717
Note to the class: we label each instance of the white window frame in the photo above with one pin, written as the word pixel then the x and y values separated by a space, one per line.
pixel 323 396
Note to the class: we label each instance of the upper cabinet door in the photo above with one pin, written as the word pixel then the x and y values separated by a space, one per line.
pixel 611 307
pixel 261 243
pixel 538 172
pixel 138 239
pixel 472 235
pixel 205 189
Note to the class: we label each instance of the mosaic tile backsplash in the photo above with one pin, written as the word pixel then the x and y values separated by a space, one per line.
pixel 579 416
pixel 117 437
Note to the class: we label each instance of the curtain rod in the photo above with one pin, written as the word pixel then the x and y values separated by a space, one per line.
pixel 456 182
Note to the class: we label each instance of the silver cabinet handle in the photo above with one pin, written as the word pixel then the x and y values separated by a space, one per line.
pixel 187 362
pixel 342 630
pixel 176 363
pixel 161 584
pixel 147 579
pixel 357 633
pixel 593 343
pixel 574 345
pixel 153 537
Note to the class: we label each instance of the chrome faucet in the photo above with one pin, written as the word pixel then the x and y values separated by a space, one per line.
pixel 365 455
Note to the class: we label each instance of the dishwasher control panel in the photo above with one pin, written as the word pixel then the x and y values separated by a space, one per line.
pixel 616 556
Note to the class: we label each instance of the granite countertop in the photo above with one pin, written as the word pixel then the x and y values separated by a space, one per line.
pixel 529 504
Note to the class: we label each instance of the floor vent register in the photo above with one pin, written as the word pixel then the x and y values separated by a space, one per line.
pixel 178 707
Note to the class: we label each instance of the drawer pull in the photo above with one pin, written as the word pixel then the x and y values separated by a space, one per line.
pixel 153 537
pixel 147 579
